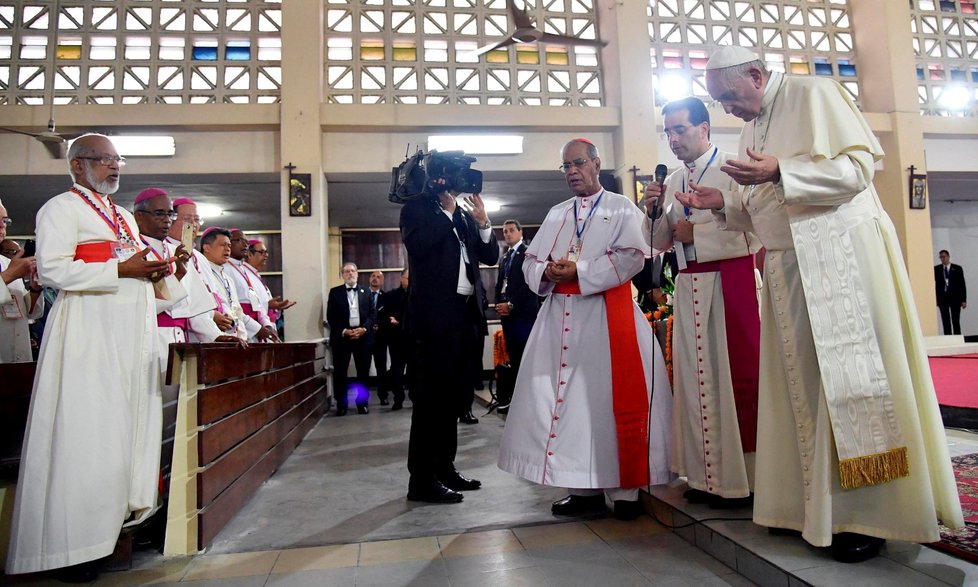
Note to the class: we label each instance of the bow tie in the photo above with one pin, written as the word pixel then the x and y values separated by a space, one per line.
pixel 351 288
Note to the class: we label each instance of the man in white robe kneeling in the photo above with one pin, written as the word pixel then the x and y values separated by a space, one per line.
pixel 592 404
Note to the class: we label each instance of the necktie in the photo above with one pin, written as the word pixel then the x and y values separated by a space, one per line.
pixel 460 228
pixel 373 301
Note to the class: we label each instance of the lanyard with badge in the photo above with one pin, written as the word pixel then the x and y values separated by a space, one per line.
pixel 123 248
pixel 11 310
pixel 252 294
pixel 699 179
pixel 575 249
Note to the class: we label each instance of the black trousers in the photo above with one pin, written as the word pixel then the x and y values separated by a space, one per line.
pixel 396 375
pixel 516 333
pixel 951 317
pixel 378 351
pixel 444 382
pixel 342 353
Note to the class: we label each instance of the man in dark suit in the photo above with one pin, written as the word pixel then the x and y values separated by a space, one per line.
pixel 516 305
pixel 350 318
pixel 376 343
pixel 446 315
pixel 952 295
pixel 390 319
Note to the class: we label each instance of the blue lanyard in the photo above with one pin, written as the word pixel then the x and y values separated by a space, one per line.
pixel 580 231
pixel 700 178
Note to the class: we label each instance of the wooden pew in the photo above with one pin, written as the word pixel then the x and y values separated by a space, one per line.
pixel 240 414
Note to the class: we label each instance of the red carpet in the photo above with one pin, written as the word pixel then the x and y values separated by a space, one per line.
pixel 963 543
pixel 956 380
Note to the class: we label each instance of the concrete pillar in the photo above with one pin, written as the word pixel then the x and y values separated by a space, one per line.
pixel 627 78
pixel 304 259
pixel 888 85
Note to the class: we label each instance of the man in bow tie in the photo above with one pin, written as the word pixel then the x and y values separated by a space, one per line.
pixel 350 318
pixel 952 293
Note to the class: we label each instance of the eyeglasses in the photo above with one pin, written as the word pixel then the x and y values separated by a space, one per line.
pixel 192 220
pixel 261 252
pixel 107 160
pixel 676 131
pixel 240 240
pixel 7 221
pixel 8 252
pixel 578 163
pixel 161 214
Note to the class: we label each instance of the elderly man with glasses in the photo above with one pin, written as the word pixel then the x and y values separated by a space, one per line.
pixel 248 287
pixel 20 297
pixel 584 415
pixel 92 447
pixel 254 263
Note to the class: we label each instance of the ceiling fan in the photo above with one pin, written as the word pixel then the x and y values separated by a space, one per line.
pixel 55 143
pixel 525 32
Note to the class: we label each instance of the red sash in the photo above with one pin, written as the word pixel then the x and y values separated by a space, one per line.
pixel 164 320
pixel 98 252
pixel 629 390
pixel 743 325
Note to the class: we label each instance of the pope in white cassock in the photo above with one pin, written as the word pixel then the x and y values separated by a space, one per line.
pixel 591 408
pixel 850 445
pixel 17 304
pixel 90 460
pixel 716 330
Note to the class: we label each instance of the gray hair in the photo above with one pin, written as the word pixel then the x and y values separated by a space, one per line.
pixel 735 72
pixel 79 148
pixel 592 151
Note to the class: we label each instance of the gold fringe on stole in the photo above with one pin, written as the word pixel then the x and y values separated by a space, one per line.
pixel 874 469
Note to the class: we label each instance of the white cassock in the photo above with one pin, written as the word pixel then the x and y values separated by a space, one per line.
pixel 15 312
pixel 561 429
pixel 200 327
pixel 92 448
pixel 247 287
pixel 226 296
pixel 715 357
pixel 263 293
pixel 828 239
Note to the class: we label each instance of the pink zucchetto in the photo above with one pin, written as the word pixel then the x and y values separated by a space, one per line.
pixel 149 193
pixel 253 242
pixel 182 201
pixel 209 230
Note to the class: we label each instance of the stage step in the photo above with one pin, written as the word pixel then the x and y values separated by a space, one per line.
pixel 788 561
pixel 949 345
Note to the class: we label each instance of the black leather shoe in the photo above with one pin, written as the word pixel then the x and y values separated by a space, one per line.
pixel 468 418
pixel 459 482
pixel 849 547
pixel 434 492
pixel 502 409
pixel 628 510
pixel 80 573
pixel 697 496
pixel 385 402
pixel 363 410
pixel 397 406
pixel 573 505
pixel 340 411
pixel 731 503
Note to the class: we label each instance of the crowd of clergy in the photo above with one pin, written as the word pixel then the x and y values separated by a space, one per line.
pixel 826 431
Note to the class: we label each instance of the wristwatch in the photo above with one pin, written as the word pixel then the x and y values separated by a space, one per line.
pixel 487 226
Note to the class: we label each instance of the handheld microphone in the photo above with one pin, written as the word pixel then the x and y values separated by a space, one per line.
pixel 660 178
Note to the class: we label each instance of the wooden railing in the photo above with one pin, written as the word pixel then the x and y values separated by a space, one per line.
pixel 240 414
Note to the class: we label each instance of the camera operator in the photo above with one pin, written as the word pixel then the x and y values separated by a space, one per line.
pixel 446 317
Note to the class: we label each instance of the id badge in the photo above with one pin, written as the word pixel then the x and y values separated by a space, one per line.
pixel 236 312
pixel 122 251
pixel 253 296
pixel 11 310
pixel 575 251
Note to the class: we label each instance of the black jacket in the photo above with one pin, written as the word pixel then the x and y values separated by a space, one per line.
pixel 433 259
pixel 526 304
pixel 956 292
pixel 338 313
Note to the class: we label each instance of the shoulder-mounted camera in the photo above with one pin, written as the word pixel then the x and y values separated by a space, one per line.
pixel 428 174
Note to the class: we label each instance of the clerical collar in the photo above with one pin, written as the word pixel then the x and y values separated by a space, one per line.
pixel 234 261
pixel 586 196
pixel 771 91
pixel 214 265
pixel 153 241
pixel 703 159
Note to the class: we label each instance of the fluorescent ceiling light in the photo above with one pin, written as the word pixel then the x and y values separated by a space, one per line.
pixel 209 210
pixel 142 145
pixel 492 205
pixel 478 144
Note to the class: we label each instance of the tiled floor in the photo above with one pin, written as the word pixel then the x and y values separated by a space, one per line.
pixel 502 535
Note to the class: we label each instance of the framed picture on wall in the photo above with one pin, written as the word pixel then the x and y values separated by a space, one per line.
pixel 918 191
pixel 300 196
